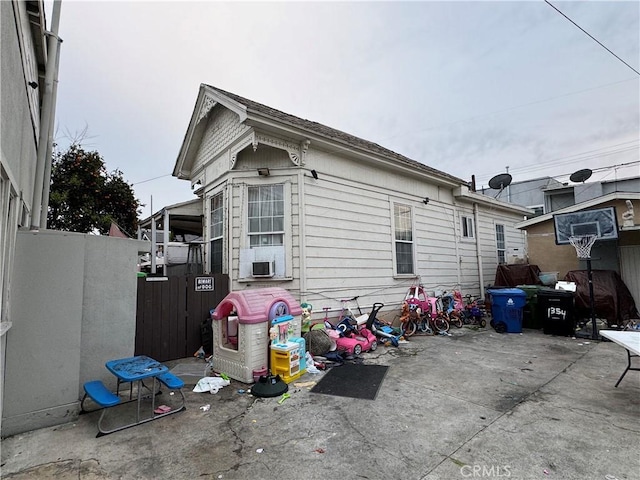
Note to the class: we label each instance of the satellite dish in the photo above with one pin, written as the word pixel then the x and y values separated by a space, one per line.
pixel 500 181
pixel 581 175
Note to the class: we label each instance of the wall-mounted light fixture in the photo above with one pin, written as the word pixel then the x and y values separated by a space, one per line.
pixel 426 200
pixel 314 174
pixel 263 172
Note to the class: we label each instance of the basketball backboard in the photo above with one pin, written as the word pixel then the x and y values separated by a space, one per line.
pixel 601 222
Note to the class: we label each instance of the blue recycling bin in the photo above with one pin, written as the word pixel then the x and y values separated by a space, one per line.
pixel 507 305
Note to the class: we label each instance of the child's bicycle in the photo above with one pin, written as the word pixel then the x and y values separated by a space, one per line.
pixel 424 313
pixel 472 313
pixel 453 308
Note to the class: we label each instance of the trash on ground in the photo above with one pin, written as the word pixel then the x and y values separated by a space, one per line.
pixel 304 384
pixel 205 408
pixel 260 450
pixel 210 384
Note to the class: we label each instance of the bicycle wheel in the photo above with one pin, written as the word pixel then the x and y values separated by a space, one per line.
pixel 441 324
pixel 424 326
pixel 456 320
pixel 410 328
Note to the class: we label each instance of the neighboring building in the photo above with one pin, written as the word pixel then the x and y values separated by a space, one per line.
pixel 328 216
pixel 528 193
pixel 22 73
pixel 621 255
pixel 67 300
pixel 546 195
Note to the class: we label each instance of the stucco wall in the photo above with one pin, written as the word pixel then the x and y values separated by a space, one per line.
pixel 73 307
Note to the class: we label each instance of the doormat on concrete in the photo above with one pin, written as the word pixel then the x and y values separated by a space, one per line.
pixel 354 381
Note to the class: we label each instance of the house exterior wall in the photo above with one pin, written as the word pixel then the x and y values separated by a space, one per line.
pixel 528 193
pixel 222 127
pixel 514 240
pixel 74 306
pixel 544 252
pixel 19 128
pixel 623 185
pixel 339 239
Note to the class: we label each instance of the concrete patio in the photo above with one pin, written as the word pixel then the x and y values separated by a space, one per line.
pixel 476 404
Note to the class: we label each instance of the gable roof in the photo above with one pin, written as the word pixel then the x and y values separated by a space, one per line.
pixel 580 206
pixel 257 112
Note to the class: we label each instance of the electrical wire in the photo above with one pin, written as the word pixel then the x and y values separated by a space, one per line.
pixel 591 36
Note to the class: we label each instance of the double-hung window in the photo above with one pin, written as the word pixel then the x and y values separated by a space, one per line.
pixel 217 230
pixel 403 226
pixel 266 215
pixel 500 244
pixel 467 227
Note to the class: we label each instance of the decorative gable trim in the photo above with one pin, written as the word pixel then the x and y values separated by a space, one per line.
pixel 207 105
pixel 207 99
pixel 297 152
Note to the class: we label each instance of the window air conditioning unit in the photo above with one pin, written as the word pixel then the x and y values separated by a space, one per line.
pixel 263 269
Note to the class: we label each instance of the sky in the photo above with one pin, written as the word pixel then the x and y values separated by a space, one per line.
pixel 468 87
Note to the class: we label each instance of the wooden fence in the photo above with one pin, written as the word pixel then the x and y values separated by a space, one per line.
pixel 170 311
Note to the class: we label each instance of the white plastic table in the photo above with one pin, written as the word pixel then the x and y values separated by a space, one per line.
pixel 630 341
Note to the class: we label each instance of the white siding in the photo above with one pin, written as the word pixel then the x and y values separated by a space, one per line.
pixel 223 127
pixel 349 240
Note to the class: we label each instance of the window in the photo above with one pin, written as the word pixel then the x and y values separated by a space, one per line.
pixel 500 244
pixel 537 209
pixel 217 229
pixel 266 216
pixel 467 227
pixel 9 203
pixel 403 239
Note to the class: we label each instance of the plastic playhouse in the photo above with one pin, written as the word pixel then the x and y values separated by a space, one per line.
pixel 241 324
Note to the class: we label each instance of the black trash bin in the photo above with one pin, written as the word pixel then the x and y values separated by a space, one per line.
pixel 556 312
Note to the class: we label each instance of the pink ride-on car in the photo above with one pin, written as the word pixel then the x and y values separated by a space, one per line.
pixel 355 339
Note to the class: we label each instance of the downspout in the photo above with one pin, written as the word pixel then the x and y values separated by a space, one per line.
pixel 48 158
pixel 45 116
pixel 301 239
pixel 478 249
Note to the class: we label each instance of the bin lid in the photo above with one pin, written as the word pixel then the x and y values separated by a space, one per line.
pixel 550 292
pixel 511 292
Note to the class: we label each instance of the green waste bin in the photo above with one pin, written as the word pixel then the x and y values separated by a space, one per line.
pixel 529 312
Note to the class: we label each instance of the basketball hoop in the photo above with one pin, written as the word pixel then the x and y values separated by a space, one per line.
pixel 583 244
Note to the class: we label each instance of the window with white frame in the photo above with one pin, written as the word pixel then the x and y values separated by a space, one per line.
pixel 500 244
pixel 403 226
pixel 216 232
pixel 8 226
pixel 266 215
pixel 467 227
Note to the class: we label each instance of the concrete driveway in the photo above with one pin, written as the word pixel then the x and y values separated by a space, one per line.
pixel 476 404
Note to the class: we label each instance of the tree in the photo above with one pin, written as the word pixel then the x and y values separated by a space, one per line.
pixel 84 197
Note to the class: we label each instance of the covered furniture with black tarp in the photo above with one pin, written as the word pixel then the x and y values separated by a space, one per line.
pixel 514 275
pixel 612 299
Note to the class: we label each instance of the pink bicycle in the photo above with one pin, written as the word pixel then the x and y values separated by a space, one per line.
pixel 425 313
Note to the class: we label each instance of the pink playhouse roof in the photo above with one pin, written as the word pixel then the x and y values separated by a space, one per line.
pixel 255 305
